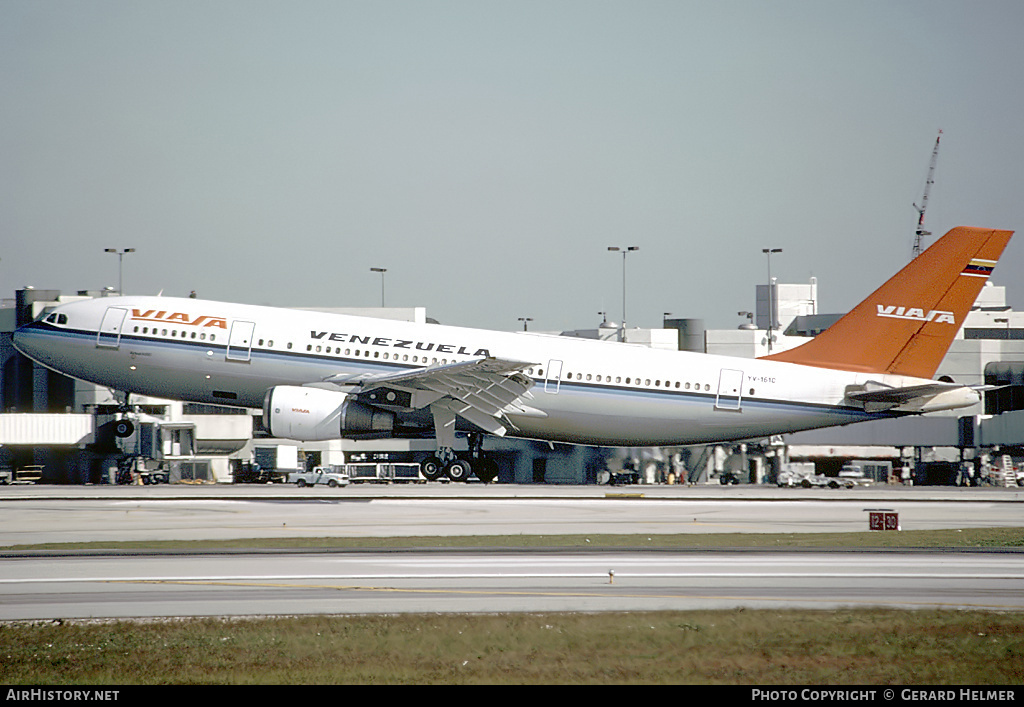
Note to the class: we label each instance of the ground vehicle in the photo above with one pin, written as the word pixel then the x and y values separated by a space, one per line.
pixel 382 472
pixel 252 473
pixel 865 471
pixel 800 474
pixel 271 464
pixel 850 477
pixel 28 474
pixel 151 478
pixel 319 475
pixel 848 480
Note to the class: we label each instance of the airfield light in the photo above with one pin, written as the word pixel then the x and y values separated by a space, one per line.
pixel 771 298
pixel 120 263
pixel 624 251
pixel 381 271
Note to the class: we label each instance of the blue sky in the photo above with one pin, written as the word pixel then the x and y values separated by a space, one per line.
pixel 487 153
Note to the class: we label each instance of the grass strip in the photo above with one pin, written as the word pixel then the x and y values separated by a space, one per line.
pixel 956 539
pixel 762 647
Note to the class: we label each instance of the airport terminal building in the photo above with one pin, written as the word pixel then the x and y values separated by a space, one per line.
pixel 62 430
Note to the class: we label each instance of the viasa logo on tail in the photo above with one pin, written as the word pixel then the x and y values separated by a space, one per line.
pixel 916 314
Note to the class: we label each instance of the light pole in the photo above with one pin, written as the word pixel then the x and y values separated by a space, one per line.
pixel 381 271
pixel 525 321
pixel 624 251
pixel 120 260
pixel 771 299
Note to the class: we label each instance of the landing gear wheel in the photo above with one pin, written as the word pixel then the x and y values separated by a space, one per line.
pixel 487 470
pixel 124 428
pixel 432 468
pixel 458 470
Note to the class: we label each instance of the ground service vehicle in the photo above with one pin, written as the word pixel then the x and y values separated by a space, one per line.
pixel 319 475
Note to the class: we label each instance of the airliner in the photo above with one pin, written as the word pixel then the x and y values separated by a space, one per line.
pixel 320 376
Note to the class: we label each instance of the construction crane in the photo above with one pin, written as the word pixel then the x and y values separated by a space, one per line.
pixel 920 232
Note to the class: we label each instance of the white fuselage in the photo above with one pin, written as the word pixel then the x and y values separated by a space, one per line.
pixel 589 392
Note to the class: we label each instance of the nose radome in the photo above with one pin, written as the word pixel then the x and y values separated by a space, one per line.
pixel 26 340
pixel 20 339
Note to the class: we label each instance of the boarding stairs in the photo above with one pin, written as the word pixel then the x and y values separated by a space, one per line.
pixel 1005 474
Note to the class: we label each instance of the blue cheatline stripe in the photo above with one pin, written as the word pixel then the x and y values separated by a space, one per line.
pixel 856 414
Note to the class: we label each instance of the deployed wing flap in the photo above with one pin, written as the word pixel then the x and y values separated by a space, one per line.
pixel 488 423
pixel 483 391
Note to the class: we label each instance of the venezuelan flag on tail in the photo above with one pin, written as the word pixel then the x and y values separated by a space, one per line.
pixel 906 326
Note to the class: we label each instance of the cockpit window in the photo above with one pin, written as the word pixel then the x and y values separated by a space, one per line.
pixel 57 318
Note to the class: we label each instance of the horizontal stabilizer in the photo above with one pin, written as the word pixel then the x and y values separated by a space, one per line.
pixel 876 397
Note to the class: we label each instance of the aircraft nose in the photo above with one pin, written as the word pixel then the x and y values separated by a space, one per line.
pixel 26 340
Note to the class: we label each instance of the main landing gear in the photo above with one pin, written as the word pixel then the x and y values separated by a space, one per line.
pixel 433 468
pixel 445 463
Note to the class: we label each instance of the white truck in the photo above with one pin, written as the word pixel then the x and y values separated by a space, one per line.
pixel 319 475
pixel 800 474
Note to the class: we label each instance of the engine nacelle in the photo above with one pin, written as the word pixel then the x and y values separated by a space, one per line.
pixel 315 414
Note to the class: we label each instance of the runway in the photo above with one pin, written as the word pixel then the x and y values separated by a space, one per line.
pixel 278 583
pixel 46 585
pixel 32 515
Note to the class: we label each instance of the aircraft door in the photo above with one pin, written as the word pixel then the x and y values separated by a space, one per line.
pixel 109 335
pixel 554 377
pixel 240 341
pixel 730 390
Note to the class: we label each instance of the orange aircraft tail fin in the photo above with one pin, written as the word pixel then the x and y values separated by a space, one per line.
pixel 906 326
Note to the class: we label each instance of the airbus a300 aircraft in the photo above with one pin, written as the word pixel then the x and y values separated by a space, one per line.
pixel 326 376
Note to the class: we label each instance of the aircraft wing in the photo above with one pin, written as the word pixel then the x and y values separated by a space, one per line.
pixel 482 391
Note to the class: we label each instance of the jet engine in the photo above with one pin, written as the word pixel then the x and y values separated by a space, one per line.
pixel 315 414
